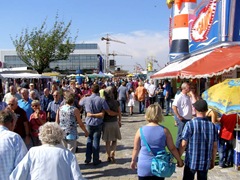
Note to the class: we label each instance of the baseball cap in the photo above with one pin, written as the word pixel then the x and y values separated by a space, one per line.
pixel 200 105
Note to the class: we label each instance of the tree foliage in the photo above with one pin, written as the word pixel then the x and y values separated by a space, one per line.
pixel 39 47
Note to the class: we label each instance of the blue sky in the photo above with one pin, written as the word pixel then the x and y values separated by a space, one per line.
pixel 141 24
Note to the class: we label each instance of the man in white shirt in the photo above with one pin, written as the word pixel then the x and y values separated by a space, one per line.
pixel 182 108
pixel 151 92
pixel 12 93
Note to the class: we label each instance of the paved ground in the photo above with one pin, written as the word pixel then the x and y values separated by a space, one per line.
pixel 120 170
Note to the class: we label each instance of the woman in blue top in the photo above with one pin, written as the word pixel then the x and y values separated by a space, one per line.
pixel 157 137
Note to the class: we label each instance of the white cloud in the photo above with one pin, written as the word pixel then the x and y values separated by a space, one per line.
pixel 141 45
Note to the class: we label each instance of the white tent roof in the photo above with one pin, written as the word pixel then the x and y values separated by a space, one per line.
pixel 25 75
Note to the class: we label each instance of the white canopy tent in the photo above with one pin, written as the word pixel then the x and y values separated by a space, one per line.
pixel 25 75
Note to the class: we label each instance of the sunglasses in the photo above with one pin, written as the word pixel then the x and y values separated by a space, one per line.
pixel 35 105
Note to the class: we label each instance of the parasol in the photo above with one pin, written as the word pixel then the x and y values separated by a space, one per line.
pixel 224 97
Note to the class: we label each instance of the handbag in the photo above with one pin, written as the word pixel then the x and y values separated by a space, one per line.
pixel 162 163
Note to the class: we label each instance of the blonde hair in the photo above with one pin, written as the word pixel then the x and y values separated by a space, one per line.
pixel 35 102
pixel 154 114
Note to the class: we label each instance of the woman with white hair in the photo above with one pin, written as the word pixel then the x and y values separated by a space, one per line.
pixel 50 160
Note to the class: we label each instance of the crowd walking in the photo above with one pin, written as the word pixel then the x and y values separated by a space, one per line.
pixel 51 121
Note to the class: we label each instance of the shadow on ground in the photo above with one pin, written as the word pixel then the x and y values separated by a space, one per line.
pixel 114 172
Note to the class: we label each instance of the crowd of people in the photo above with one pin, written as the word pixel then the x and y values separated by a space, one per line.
pixel 45 123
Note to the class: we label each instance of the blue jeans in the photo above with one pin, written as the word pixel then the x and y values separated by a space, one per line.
pixel 180 125
pixel 188 174
pixel 225 151
pixel 167 105
pixel 161 102
pixel 122 105
pixel 141 106
pixel 93 143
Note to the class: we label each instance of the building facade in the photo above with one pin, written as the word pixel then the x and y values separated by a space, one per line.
pixel 87 57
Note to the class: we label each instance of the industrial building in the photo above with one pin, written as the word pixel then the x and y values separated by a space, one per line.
pixel 86 56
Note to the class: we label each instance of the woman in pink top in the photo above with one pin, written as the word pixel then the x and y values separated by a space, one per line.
pixel 37 119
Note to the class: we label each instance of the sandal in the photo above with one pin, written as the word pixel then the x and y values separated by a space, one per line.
pixel 113 160
pixel 109 159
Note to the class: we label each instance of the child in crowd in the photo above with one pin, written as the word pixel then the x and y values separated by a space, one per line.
pixel 131 101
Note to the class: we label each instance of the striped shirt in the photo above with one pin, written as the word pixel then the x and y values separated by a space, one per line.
pixel 12 150
pixel 200 134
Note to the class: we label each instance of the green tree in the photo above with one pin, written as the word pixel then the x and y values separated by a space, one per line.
pixel 39 47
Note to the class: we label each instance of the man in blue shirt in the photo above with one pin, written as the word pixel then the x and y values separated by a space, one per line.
pixel 94 104
pixel 25 103
pixel 45 99
pixel 123 96
pixel 53 107
pixel 199 138
pixel 12 147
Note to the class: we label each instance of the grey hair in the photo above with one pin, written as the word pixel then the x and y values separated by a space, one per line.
pixel 13 99
pixel 51 133
pixel 7 116
pixel 32 92
pixel 108 93
pixel 24 90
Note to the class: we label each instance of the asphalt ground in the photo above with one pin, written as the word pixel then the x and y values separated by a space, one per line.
pixel 121 169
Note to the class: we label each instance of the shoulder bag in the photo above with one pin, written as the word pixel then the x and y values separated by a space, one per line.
pixel 162 164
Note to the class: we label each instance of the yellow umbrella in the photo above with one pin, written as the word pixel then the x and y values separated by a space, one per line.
pixel 51 74
pixel 224 97
pixel 130 75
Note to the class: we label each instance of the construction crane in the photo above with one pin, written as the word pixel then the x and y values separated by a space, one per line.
pixel 113 65
pixel 116 54
pixel 108 39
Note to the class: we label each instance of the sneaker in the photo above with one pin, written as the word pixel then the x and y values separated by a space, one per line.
pixel 222 166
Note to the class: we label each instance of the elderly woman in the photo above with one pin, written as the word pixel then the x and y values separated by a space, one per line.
pixel 50 160
pixel 157 137
pixel 68 116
